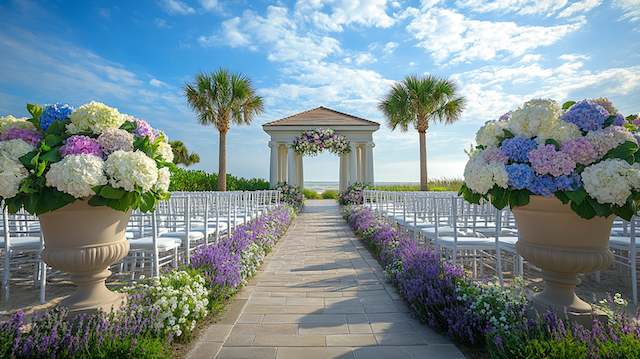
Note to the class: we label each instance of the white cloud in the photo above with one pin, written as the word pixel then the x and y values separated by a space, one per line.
pixel 340 13
pixel 528 58
pixel 579 7
pixel 364 58
pixel 521 7
pixel 161 23
pixel 630 9
pixel 276 33
pixel 389 47
pixel 157 83
pixel 210 5
pixel 450 36
pixel 573 57
pixel 177 7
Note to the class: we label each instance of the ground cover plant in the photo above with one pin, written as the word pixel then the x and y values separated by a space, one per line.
pixel 484 315
pixel 159 311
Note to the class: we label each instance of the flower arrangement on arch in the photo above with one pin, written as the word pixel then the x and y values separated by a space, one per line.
pixel 584 153
pixel 93 153
pixel 312 142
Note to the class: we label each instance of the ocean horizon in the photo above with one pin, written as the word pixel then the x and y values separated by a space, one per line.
pixel 321 186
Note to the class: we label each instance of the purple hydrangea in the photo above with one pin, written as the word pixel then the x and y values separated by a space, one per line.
pixel 144 129
pixel 15 133
pixel 547 160
pixel 520 175
pixel 494 155
pixel 53 113
pixel 505 117
pixel 619 120
pixel 81 145
pixel 518 148
pixel 587 115
pixel 543 185
pixel 580 150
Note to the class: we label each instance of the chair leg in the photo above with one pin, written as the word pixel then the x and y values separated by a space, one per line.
pixel 43 281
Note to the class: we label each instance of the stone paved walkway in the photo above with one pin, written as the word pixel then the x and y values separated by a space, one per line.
pixel 320 294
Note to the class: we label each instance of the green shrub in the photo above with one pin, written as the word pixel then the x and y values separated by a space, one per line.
pixel 310 194
pixel 198 180
pixel 330 194
pixel 440 185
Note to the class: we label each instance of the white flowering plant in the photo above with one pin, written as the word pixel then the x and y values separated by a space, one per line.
pixel 177 300
pixel 584 153
pixel 93 153
pixel 312 142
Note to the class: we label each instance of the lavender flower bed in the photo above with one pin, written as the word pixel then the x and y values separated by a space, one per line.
pixel 485 315
pixel 140 330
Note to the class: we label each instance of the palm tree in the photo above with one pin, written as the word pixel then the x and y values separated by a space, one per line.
pixel 181 154
pixel 220 99
pixel 418 101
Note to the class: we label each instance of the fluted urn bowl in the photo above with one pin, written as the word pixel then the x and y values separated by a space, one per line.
pixel 562 244
pixel 84 241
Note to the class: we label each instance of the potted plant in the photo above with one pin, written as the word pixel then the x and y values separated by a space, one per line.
pixel 566 172
pixel 82 171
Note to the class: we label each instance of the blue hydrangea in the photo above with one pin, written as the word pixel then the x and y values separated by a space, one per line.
pixel 53 113
pixel 568 183
pixel 619 120
pixel 520 175
pixel 587 115
pixel 517 148
pixel 543 185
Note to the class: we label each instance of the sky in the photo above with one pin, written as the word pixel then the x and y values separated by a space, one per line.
pixel 137 56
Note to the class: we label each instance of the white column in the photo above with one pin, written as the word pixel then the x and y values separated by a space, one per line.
pixel 291 166
pixel 353 164
pixel 299 172
pixel 369 163
pixel 344 178
pixel 273 164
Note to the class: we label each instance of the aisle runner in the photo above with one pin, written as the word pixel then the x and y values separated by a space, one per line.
pixel 320 294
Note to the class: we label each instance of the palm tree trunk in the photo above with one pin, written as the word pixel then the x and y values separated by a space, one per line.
pixel 423 161
pixel 222 162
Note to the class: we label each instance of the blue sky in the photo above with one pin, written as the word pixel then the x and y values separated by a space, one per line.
pixel 342 54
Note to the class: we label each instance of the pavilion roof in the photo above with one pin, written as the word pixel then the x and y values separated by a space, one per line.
pixel 321 116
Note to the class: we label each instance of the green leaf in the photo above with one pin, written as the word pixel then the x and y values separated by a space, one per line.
pixel 51 156
pixel 577 196
pixel 112 193
pixel 602 210
pixel 562 197
pixel 58 128
pixel 518 198
pixel 499 197
pixel 583 209
pixel 609 121
pixel 567 105
pixel 41 167
pixel 34 110
pixel 128 126
pixel 625 151
pixel 27 159
pixel 553 142
pixel 52 140
pixel 625 212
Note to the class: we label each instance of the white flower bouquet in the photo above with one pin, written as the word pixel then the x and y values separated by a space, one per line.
pixel 584 153
pixel 93 153
pixel 313 142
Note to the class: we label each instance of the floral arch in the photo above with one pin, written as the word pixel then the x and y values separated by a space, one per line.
pixel 310 132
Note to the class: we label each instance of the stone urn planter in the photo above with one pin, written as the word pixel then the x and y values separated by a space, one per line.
pixel 562 244
pixel 84 241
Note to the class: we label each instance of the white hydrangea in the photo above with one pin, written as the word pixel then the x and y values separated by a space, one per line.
pixel 165 151
pixel 481 176
pixel 12 173
pixel 14 149
pixel 534 114
pixel 94 117
pixel 7 122
pixel 488 134
pixel 558 130
pixel 77 175
pixel 164 179
pixel 609 138
pixel 611 181
pixel 130 169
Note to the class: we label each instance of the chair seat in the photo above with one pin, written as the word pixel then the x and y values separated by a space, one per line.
pixel 447 231
pixel 622 242
pixel 193 235
pixel 146 243
pixel 467 242
pixel 23 243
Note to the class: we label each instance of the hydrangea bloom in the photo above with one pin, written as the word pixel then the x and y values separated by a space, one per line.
pixel 581 150
pixel 619 120
pixel 494 155
pixel 144 129
pixel 488 134
pixel 77 175
pixel 129 170
pixel 505 117
pixel 527 120
pixel 94 117
pixel 518 148
pixel 611 181
pixel 481 176
pixel 164 179
pixel 14 149
pixel 546 160
pixel 557 130
pixel 520 175
pixel 604 102
pixel 7 122
pixel 53 113
pixel 568 183
pixel 29 136
pixel 609 138
pixel 165 151
pixel 543 185
pixel 78 145
pixel 587 115
pixel 12 173
pixel 115 139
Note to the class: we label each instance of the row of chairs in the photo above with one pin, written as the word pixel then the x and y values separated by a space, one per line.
pixel 480 236
pixel 166 236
